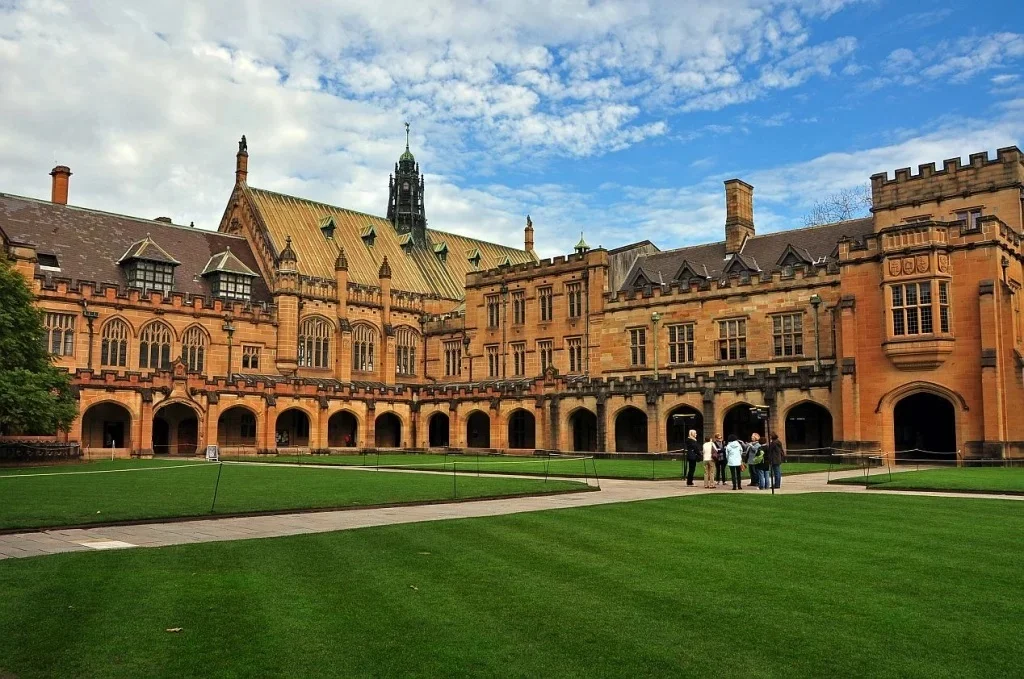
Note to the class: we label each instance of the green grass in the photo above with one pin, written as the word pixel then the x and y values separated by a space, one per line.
pixel 710 586
pixel 608 468
pixel 162 489
pixel 974 479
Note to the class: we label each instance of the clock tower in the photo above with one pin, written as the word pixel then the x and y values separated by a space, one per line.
pixel 405 196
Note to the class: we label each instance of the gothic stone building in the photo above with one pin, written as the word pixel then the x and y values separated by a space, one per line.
pixel 302 325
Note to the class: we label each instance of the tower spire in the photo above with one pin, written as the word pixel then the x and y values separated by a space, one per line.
pixel 405 196
pixel 407 136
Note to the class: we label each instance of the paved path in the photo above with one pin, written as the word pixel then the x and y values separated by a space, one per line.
pixel 38 543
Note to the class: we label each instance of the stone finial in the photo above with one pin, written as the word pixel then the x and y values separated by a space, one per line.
pixel 288 254
pixel 341 262
pixel 385 269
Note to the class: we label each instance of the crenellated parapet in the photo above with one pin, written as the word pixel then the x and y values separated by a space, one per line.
pixel 556 266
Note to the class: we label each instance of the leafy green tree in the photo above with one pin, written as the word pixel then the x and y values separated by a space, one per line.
pixel 35 396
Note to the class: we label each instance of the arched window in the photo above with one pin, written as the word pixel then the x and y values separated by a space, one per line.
pixel 114 351
pixel 406 340
pixel 315 343
pixel 193 348
pixel 364 340
pixel 155 346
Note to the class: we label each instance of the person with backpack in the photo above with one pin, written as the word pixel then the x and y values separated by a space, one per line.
pixel 776 455
pixel 709 462
pixel 734 458
pixel 719 457
pixel 761 463
pixel 752 449
pixel 693 453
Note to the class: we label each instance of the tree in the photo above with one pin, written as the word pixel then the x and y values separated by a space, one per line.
pixel 840 206
pixel 35 396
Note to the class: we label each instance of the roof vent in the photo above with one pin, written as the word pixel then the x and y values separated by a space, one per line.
pixel 165 220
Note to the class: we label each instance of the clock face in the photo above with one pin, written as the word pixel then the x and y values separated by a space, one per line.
pixel 405 186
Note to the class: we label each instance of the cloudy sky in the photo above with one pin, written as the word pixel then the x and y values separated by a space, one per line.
pixel 617 117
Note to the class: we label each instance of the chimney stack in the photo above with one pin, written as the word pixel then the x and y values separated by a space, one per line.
pixel 739 214
pixel 242 162
pixel 59 189
pixel 529 234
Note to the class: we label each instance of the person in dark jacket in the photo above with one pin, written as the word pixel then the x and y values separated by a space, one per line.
pixel 693 454
pixel 774 457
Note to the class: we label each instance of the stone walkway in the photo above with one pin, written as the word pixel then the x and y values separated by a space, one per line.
pixel 38 543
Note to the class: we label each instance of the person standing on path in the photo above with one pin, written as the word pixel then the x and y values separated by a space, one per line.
pixel 776 455
pixel 692 455
pixel 709 463
pixel 719 457
pixel 752 449
pixel 734 458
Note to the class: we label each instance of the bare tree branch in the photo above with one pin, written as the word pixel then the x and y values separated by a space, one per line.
pixel 839 206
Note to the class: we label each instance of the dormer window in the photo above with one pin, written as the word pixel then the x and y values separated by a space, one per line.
pixel 406 241
pixel 148 266
pixel 327 227
pixel 369 235
pixel 474 257
pixel 441 250
pixel 48 262
pixel 229 277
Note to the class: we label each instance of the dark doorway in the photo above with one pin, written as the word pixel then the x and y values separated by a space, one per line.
pixel 236 426
pixel 161 437
pixel 631 431
pixel 175 430
pixel 741 423
pixel 678 425
pixel 106 425
pixel 437 431
pixel 809 428
pixel 584 431
pixel 342 430
pixel 388 431
pixel 924 426
pixel 478 430
pixel 292 429
pixel 522 430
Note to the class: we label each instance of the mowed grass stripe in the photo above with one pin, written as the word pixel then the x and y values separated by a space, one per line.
pixel 808 585
pixel 971 479
pixel 75 499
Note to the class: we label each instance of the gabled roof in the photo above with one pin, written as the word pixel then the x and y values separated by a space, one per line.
pixel 687 271
pixel 148 250
pixel 738 263
pixel 793 256
pixel 227 262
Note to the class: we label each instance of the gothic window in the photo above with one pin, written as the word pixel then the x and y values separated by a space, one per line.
pixel 452 358
pixel 193 349
pixel 574 291
pixel 545 351
pixel 638 346
pixel 545 296
pixel 732 339
pixel 493 365
pixel 364 345
pixel 680 343
pixel 518 358
pixel 155 346
pixel 493 311
pixel 114 347
pixel 575 347
pixel 250 357
pixel 519 307
pixel 315 343
pixel 60 334
pixel 405 351
pixel 788 334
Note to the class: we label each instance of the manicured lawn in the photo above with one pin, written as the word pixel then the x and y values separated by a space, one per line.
pixel 609 468
pixel 711 586
pixel 991 479
pixel 151 489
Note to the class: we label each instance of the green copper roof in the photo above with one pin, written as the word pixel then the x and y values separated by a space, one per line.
pixel 582 245
pixel 407 156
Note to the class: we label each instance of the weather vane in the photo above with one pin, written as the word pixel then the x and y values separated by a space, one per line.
pixel 406 136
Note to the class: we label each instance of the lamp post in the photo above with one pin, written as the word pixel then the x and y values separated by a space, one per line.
pixel 655 317
pixel 465 351
pixel 815 303
pixel 504 327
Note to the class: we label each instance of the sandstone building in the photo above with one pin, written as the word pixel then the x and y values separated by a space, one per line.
pixel 302 325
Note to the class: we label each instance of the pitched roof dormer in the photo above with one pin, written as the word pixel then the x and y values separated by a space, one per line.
pixel 473 256
pixel 793 256
pixel 148 250
pixel 687 271
pixel 406 241
pixel 148 266
pixel 328 227
pixel 738 264
pixel 441 250
pixel 229 277
pixel 369 235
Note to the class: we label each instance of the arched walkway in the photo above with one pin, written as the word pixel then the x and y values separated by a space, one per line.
pixel 583 424
pixel 924 427
pixel 175 430
pixel 808 427
pixel 522 430
pixel 741 423
pixel 478 430
pixel 678 425
pixel 342 430
pixel 107 425
pixel 236 427
pixel 437 431
pixel 387 431
pixel 292 429
pixel 631 431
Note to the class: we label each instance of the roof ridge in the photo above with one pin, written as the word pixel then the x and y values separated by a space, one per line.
pixel 121 215
pixel 318 202
pixel 477 240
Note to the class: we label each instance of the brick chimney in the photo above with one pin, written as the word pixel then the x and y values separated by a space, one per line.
pixel 59 189
pixel 739 214
pixel 528 234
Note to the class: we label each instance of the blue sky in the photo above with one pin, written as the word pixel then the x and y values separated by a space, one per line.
pixel 617 117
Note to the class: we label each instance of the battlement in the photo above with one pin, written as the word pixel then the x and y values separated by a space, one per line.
pixel 981 173
pixel 546 267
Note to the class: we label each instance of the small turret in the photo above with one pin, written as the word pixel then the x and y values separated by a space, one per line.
pixel 528 235
pixel 341 262
pixel 385 269
pixel 242 162
pixel 287 259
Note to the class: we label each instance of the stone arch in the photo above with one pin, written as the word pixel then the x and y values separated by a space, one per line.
pixel 478 430
pixel 583 429
pixel 292 428
pixel 924 426
pixel 438 430
pixel 343 429
pixel 808 426
pixel 630 430
pixel 176 428
pixel 238 427
pixel 741 423
pixel 899 445
pixel 678 423
pixel 387 430
pixel 107 424
pixel 522 429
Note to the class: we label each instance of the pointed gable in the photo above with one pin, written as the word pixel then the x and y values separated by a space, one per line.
pixel 227 262
pixel 793 256
pixel 147 249
pixel 739 264
pixel 687 271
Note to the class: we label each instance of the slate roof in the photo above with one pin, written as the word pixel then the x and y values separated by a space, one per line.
pixel 415 268
pixel 759 253
pixel 227 262
pixel 89 243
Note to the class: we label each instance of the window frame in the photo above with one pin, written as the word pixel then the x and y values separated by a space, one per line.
pixel 59 327
pixel 791 339
pixel 546 296
pixel 685 345
pixel 726 340
pixel 637 346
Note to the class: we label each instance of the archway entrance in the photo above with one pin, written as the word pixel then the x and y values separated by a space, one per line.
pixel 388 431
pixel 678 425
pixel 175 430
pixel 478 430
pixel 342 430
pixel 741 423
pixel 808 427
pixel 924 427
pixel 236 427
pixel 631 431
pixel 437 431
pixel 584 431
pixel 522 430
pixel 107 425
pixel 292 429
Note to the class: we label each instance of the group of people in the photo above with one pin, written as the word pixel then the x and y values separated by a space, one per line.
pixel 764 462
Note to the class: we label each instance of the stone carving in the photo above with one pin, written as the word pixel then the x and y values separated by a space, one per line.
pixel 922 263
pixel 894 267
pixel 908 266
pixel 943 263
